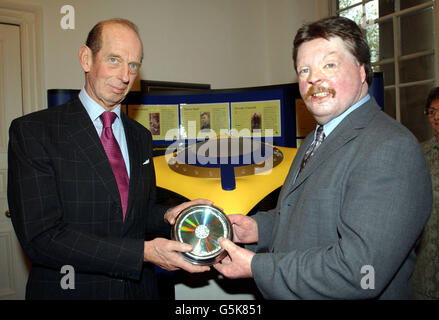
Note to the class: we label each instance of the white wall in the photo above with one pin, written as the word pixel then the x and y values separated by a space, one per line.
pixel 227 43
pixel 284 18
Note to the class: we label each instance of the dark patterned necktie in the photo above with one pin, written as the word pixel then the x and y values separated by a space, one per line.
pixel 320 136
pixel 115 157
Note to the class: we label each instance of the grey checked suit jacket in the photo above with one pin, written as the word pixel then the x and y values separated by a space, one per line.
pixel 347 227
pixel 65 206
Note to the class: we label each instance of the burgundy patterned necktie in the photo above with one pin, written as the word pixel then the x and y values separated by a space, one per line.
pixel 115 157
pixel 320 136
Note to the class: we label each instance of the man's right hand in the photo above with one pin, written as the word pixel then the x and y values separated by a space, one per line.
pixel 166 254
pixel 245 229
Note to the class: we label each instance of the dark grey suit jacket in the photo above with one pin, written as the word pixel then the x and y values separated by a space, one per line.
pixel 347 227
pixel 66 210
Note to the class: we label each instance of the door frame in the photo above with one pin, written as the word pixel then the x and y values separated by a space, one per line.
pixel 28 18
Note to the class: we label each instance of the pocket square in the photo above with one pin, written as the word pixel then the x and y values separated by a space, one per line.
pixel 146 161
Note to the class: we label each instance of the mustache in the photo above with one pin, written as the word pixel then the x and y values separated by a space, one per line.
pixel 313 90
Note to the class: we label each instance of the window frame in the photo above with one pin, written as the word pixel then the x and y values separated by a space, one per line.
pixel 397 57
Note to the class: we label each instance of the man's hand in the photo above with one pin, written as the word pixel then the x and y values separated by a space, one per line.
pixel 166 254
pixel 172 214
pixel 237 264
pixel 245 229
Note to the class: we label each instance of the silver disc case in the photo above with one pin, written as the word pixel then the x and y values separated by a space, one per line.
pixel 201 226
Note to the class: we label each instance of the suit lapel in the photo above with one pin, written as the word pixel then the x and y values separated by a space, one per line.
pixel 83 134
pixel 289 181
pixel 346 131
pixel 327 148
pixel 134 152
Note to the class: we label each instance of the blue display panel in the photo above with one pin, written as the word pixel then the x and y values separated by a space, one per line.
pixel 56 97
pixel 376 89
pixel 284 94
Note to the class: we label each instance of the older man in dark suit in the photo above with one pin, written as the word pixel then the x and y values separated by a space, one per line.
pixel 81 184
pixel 358 193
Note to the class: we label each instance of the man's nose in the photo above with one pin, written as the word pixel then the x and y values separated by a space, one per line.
pixel 124 73
pixel 315 76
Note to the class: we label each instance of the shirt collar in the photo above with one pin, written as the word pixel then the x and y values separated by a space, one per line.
pixel 332 124
pixel 93 108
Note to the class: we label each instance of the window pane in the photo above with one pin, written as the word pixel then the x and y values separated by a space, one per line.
pixel 372 30
pixel 421 68
pixel 389 73
pixel 354 14
pixel 417 31
pixel 386 7
pixel 373 39
pixel 386 40
pixel 372 10
pixel 412 111
pixel 347 3
pixel 411 3
pixel 389 102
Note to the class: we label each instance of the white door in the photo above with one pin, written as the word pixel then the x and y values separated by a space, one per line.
pixel 14 267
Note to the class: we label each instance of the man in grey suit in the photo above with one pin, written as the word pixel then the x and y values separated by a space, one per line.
pixel 346 225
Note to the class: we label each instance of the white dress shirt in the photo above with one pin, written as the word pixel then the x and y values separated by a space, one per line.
pixel 94 111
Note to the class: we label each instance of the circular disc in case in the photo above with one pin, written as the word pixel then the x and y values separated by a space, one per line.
pixel 201 226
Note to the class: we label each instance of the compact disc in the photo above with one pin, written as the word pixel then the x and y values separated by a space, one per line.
pixel 201 226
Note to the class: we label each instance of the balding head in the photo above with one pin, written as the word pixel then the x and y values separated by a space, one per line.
pixel 94 38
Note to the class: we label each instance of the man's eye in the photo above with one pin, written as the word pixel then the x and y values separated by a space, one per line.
pixel 330 65
pixel 133 66
pixel 113 60
pixel 304 71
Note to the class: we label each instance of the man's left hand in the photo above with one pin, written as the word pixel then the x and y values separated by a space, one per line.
pixel 172 214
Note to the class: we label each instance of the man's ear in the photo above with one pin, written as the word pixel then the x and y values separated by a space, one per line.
pixel 85 58
pixel 363 73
